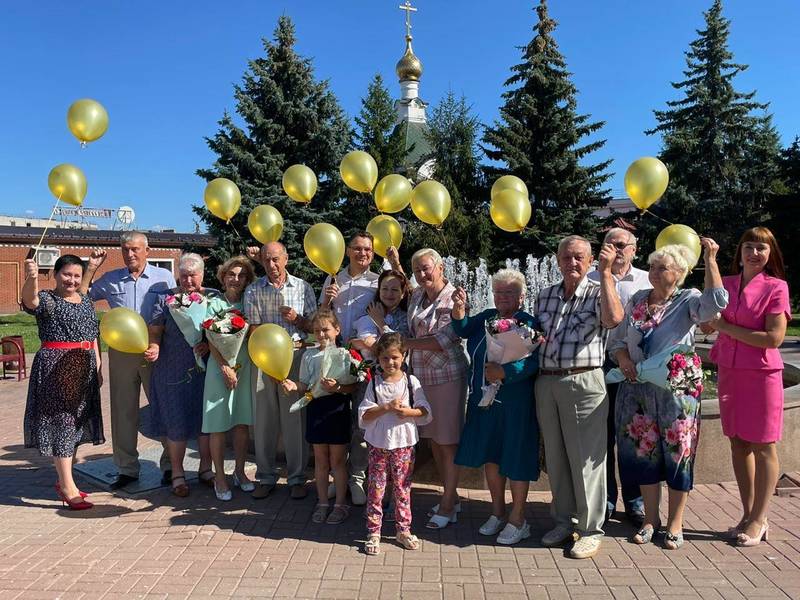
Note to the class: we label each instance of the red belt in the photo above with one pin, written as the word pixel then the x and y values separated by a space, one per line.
pixel 68 345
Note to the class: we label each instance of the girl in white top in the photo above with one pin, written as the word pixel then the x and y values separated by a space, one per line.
pixel 393 406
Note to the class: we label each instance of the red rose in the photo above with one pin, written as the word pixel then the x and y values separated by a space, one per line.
pixel 234 311
pixel 354 353
pixel 208 323
pixel 238 322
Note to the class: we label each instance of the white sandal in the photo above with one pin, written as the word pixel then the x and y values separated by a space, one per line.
pixel 435 509
pixel 438 521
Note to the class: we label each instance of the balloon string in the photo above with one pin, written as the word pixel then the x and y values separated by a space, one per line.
pixel 657 217
pixel 52 213
pixel 444 240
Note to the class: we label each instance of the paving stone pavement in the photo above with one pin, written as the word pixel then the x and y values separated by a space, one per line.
pixel 160 546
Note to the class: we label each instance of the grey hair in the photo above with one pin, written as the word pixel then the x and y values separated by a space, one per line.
pixel 572 239
pixel 191 262
pixel 509 277
pixel 422 253
pixel 615 230
pixel 680 255
pixel 126 237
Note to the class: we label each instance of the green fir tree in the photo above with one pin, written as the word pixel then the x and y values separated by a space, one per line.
pixel 286 117
pixel 718 143
pixel 542 139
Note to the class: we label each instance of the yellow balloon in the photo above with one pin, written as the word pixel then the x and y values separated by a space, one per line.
pixel 393 193
pixel 386 232
pixel 359 171
pixel 509 182
pixel 430 202
pixel 265 223
pixel 646 181
pixel 299 183
pixel 124 329
pixel 324 246
pixel 271 350
pixel 222 198
pixel 682 235
pixel 87 120
pixel 67 183
pixel 510 210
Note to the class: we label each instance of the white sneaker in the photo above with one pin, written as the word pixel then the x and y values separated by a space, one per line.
pixel 587 546
pixel 557 536
pixel 512 534
pixel 492 526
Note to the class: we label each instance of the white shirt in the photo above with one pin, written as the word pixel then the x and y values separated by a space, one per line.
pixel 355 294
pixel 389 431
pixel 627 285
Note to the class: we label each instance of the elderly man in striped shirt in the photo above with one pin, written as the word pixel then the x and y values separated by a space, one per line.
pixel 571 401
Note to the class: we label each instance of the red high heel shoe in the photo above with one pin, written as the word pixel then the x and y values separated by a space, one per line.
pixel 73 505
pixel 82 494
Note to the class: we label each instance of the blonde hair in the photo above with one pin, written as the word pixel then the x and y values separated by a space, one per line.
pixel 422 253
pixel 191 262
pixel 233 262
pixel 509 277
pixel 679 254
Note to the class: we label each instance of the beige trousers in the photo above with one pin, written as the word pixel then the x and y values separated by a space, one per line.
pixel 572 412
pixel 271 418
pixel 128 375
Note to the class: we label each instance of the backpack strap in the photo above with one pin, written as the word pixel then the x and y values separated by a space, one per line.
pixel 410 390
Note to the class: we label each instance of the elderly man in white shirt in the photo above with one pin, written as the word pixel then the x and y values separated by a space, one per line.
pixel 349 295
pixel 629 280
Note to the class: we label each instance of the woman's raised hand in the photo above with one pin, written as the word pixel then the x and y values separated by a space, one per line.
pixel 377 313
pixel 31 268
pixel 459 297
pixel 710 248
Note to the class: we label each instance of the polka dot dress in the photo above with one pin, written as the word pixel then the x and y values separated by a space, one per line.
pixel 63 408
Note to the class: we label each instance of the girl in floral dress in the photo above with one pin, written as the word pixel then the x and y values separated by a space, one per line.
pixel 657 429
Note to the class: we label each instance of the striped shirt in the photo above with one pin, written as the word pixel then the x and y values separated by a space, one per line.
pixel 575 336
pixel 262 302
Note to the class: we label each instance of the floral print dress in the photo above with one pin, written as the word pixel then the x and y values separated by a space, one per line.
pixel 658 429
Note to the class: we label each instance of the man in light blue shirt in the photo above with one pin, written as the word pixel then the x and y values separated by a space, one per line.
pixel 128 373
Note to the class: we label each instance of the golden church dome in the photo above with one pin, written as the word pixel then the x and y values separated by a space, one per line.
pixel 409 68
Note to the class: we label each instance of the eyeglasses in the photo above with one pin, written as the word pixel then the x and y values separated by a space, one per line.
pixel 622 245
pixel 505 292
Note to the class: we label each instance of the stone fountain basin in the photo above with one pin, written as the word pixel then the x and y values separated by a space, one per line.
pixel 712 463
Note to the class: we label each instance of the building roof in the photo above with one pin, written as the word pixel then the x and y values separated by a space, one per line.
pixel 105 237
pixel 416 144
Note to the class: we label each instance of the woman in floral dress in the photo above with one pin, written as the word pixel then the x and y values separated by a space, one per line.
pixel 657 429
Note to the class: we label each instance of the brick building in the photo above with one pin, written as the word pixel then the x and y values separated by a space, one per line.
pixel 16 242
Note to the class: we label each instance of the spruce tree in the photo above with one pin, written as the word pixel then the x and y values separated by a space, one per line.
pixel 286 117
pixel 542 139
pixel 718 143
pixel 784 209
pixel 453 137
pixel 377 134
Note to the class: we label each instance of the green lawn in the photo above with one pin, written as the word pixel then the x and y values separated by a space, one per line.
pixel 25 325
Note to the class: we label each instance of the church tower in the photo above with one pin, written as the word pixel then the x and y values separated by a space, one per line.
pixel 410 108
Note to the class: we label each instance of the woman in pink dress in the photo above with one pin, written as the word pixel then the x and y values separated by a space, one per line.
pixel 751 328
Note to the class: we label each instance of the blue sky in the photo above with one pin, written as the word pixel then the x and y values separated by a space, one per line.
pixel 165 70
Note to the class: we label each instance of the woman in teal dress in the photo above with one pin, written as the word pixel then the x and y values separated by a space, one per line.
pixel 503 437
pixel 227 402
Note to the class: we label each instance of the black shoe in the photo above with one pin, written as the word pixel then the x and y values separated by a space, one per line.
pixel 166 478
pixel 122 481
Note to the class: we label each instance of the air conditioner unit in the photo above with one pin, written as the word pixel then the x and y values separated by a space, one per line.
pixel 47 256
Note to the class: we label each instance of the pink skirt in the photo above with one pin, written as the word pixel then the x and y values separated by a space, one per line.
pixel 751 404
pixel 448 406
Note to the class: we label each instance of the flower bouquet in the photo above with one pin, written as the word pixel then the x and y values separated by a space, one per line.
pixel 226 330
pixel 678 369
pixel 345 365
pixel 507 340
pixel 188 310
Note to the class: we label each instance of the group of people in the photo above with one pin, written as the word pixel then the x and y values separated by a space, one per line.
pixel 431 372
